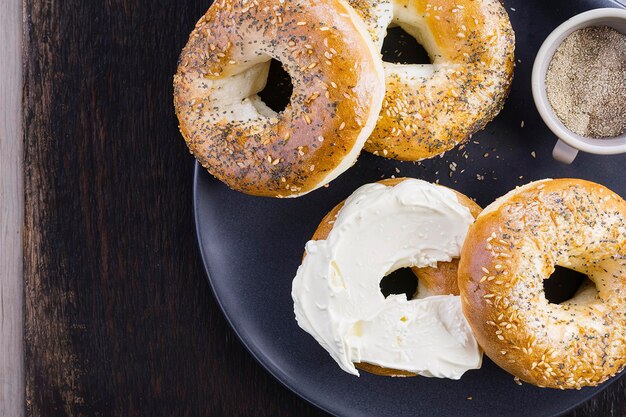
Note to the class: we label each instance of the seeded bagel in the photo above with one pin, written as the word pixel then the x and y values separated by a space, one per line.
pixel 513 247
pixel 430 109
pixel 338 86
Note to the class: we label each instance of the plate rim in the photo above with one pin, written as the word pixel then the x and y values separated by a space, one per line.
pixel 274 370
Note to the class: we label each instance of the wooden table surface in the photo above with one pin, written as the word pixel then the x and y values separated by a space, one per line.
pixel 118 316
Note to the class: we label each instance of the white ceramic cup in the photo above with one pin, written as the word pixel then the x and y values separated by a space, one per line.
pixel 570 143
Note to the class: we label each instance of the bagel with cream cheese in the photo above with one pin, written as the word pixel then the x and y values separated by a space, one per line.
pixel 380 228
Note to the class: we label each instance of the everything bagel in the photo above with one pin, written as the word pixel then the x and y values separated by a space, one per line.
pixel 429 109
pixel 338 86
pixel 513 247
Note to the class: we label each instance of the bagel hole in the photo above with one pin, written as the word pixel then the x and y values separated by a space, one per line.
pixel 401 48
pixel 563 284
pixel 401 281
pixel 278 89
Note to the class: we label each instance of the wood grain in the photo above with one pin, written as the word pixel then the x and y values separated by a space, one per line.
pixel 11 211
pixel 119 319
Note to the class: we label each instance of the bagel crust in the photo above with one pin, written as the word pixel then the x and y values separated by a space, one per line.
pixel 513 246
pixel 338 88
pixel 430 109
pixel 435 281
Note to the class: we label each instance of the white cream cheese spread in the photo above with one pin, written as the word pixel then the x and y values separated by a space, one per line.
pixel 336 291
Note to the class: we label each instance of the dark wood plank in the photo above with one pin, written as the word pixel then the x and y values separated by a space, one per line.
pixel 119 319
pixel 119 316
pixel 11 211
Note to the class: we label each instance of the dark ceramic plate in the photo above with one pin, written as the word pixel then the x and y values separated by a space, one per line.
pixel 253 246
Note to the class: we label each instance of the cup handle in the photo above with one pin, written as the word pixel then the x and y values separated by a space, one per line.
pixel 564 153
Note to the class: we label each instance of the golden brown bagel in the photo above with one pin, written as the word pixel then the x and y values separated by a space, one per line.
pixel 429 109
pixel 513 246
pixel 338 86
pixel 435 281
